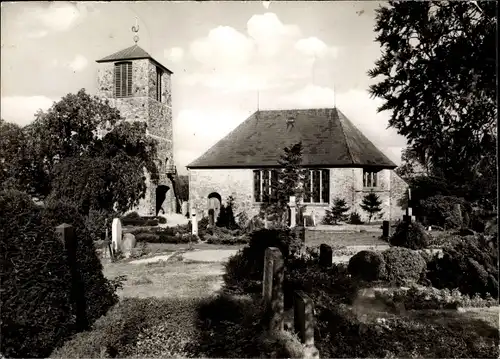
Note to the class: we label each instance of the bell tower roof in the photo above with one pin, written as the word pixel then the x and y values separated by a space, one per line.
pixel 134 52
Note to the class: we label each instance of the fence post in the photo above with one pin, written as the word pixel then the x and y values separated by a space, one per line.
pixel 325 255
pixel 303 317
pixel 272 292
pixel 66 234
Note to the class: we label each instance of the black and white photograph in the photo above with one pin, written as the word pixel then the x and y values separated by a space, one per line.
pixel 249 179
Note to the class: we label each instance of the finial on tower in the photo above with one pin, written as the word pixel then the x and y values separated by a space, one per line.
pixel 135 29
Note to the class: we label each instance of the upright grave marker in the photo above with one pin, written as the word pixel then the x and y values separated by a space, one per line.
pixel 325 255
pixel 66 234
pixel 116 234
pixel 304 323
pixel 272 292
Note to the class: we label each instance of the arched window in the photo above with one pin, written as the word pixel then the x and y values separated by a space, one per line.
pixel 123 79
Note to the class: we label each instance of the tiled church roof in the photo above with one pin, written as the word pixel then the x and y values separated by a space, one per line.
pixel 328 138
pixel 132 53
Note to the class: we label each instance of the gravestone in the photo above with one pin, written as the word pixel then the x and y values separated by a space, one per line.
pixel 116 234
pixel 185 206
pixel 194 222
pixel 211 217
pixel 386 229
pixel 272 291
pixel 128 243
pixel 325 255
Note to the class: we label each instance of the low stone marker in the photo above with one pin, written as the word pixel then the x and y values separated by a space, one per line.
pixel 194 222
pixel 211 217
pixel 128 244
pixel 303 318
pixel 386 229
pixel 325 255
pixel 116 234
pixel 272 288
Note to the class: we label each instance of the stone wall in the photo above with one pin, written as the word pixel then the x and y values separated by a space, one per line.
pixel 345 183
pixel 143 106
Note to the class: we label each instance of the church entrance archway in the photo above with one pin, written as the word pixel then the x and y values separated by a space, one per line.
pixel 214 203
pixel 161 194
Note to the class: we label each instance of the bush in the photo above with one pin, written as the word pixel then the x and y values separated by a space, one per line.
pixel 225 237
pixel 336 213
pixel 355 218
pixel 367 265
pixel 95 223
pixel 403 265
pixel 141 222
pixel 430 298
pixel 246 266
pixel 36 281
pixel 173 235
pixel 162 220
pixel 469 264
pixel 439 210
pixel 410 235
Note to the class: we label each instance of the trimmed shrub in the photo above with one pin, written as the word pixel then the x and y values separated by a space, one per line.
pixel 469 264
pixel 355 218
pixel 162 220
pixel 403 265
pixel 36 301
pixel 367 265
pixel 247 265
pixel 410 235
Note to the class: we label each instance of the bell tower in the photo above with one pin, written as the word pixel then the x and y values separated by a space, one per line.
pixel 140 88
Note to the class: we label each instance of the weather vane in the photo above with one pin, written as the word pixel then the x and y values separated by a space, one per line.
pixel 136 30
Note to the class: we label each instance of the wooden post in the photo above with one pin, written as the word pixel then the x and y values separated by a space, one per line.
pixel 272 292
pixel 325 256
pixel 66 235
pixel 304 322
pixel 386 228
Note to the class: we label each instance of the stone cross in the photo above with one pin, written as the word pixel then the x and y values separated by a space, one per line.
pixel 116 234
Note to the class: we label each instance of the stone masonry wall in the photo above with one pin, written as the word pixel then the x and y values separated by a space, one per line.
pixel 226 182
pixel 345 183
pixel 398 188
pixel 142 106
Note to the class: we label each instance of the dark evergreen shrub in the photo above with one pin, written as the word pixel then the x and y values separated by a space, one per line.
pixel 355 218
pixel 367 265
pixel 248 263
pixel 36 280
pixel 470 264
pixel 403 265
pixel 439 210
pixel 410 235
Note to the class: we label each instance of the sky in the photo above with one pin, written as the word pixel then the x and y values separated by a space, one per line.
pixel 229 59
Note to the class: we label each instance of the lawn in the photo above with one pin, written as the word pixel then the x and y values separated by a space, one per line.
pixel 173 278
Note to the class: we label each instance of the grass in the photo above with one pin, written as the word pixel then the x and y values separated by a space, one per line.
pixel 315 238
pixel 169 279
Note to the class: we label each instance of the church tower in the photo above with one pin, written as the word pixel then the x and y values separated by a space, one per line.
pixel 140 88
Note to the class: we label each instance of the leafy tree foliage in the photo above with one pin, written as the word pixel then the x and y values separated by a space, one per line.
pixel 438 77
pixel 337 212
pixel 371 204
pixel 69 158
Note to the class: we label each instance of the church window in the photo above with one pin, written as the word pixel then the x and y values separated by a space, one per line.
pixel 265 182
pixel 317 186
pixel 123 79
pixel 370 178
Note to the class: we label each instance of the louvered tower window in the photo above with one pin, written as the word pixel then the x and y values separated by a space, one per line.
pixel 123 79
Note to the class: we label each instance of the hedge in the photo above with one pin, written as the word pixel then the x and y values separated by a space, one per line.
pixel 35 280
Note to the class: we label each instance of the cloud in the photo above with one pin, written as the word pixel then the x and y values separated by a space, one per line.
pixel 79 63
pixel 21 109
pixel 175 54
pixel 42 18
pixel 269 55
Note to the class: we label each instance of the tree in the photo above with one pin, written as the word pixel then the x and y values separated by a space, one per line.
pixel 68 159
pixel 289 182
pixel 337 212
pixel 438 77
pixel 371 204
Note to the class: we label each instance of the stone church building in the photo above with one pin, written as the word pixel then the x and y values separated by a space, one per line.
pixel 140 88
pixel 340 161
